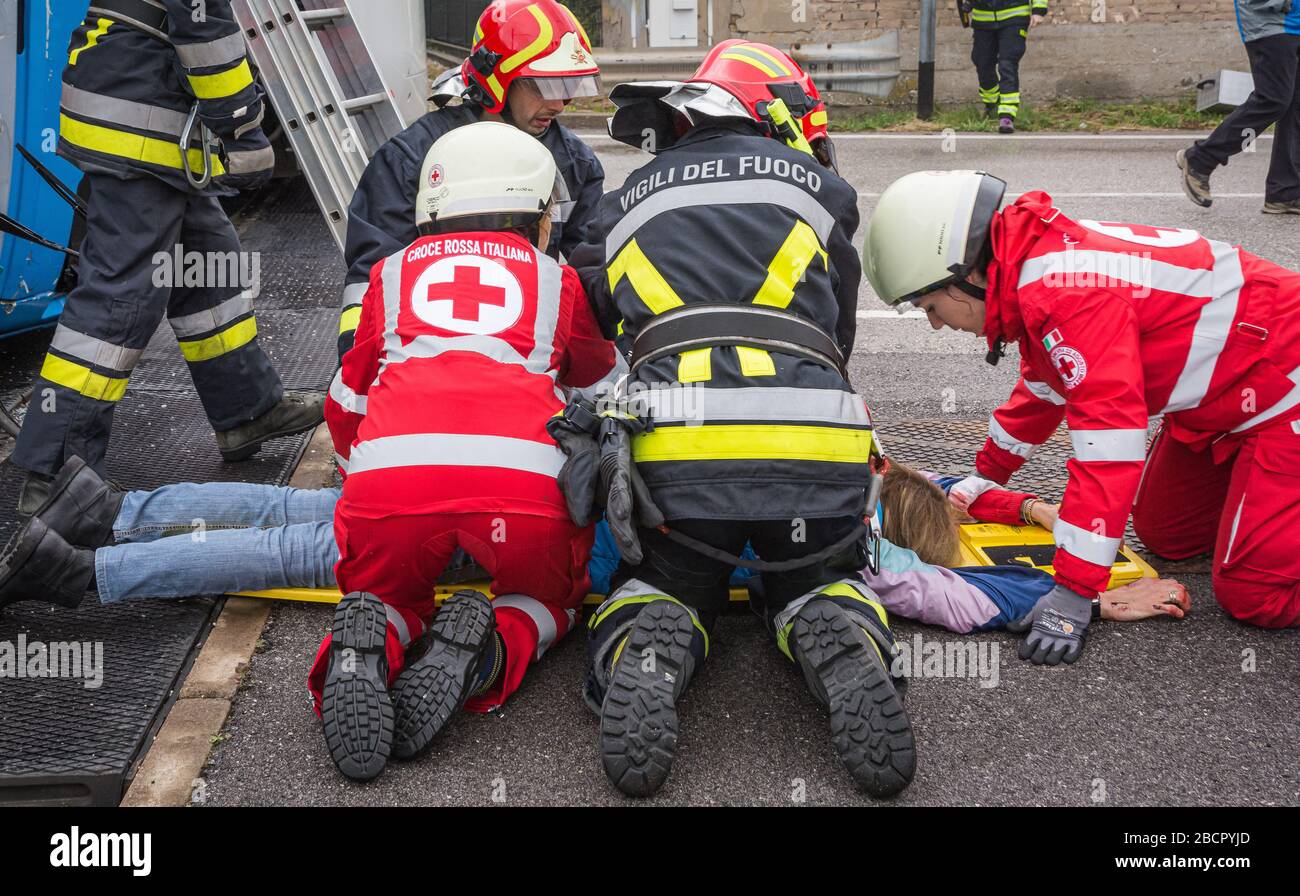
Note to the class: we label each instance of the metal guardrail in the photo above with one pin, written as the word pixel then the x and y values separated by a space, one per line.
pixel 867 67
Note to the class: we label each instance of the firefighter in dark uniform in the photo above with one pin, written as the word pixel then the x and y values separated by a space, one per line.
pixel 141 74
pixel 727 265
pixel 1001 29
pixel 529 60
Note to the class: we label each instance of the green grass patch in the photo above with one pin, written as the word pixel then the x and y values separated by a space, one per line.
pixel 1092 116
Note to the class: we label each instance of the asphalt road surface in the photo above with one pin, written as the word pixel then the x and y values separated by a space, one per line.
pixel 1198 712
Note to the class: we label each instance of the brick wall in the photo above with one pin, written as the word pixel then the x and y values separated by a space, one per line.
pixel 1104 49
pixel 812 19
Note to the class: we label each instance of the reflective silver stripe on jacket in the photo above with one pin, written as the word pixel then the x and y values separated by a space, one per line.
pixel 122 113
pixel 736 192
pixel 94 351
pixel 693 404
pixel 1085 544
pixel 223 51
pixel 1007 442
pixel 455 450
pixel 1213 327
pixel 1109 444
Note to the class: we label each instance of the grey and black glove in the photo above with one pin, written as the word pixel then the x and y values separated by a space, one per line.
pixel 249 161
pixel 1057 626
pixel 627 500
pixel 575 432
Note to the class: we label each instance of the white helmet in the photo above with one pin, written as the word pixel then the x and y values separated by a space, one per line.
pixel 928 230
pixel 486 170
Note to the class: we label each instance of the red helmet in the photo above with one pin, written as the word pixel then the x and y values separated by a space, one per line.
pixel 756 74
pixel 535 39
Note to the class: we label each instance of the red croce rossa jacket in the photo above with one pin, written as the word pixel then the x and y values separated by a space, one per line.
pixel 441 405
pixel 1118 323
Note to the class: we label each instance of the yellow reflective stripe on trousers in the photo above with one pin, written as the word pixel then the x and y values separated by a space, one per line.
pixel 753 442
pixel 349 319
pixel 227 340
pixel 789 265
pixel 609 606
pixel 223 84
pixel 131 146
pixel 92 38
pixel 82 379
pixel 649 284
pixel 695 366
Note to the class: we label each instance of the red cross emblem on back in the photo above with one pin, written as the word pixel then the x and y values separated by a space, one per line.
pixel 1066 366
pixel 468 294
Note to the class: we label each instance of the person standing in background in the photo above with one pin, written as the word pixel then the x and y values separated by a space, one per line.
pixel 1001 28
pixel 1271 31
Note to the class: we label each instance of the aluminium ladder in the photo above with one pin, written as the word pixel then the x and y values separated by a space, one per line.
pixel 330 97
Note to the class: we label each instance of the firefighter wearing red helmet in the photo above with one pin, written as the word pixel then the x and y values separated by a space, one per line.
pixel 727 263
pixel 530 58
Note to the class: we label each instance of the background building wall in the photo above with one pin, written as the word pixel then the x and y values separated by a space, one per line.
pixel 1100 49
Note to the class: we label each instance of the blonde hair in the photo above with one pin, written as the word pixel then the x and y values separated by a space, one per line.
pixel 919 516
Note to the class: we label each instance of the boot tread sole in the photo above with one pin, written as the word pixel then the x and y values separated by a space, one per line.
pixel 869 726
pixel 433 688
pixel 638 719
pixel 356 712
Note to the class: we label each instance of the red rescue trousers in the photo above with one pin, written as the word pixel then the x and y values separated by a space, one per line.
pixel 539 578
pixel 1246 510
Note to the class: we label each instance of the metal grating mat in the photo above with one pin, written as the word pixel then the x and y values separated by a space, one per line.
pixel 61 742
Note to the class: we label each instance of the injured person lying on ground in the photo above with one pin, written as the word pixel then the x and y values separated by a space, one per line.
pixel 91 541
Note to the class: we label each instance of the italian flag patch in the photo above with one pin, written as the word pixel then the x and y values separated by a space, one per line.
pixel 1052 340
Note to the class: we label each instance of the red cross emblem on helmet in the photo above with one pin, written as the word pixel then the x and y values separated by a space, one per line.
pixel 539 40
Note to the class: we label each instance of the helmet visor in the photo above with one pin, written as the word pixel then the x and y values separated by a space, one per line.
pixel 571 88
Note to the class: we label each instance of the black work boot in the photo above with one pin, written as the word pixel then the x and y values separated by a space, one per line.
pixel 356 711
pixel 38 565
pixel 638 718
pixel 81 507
pixel 444 668
pixel 297 412
pixel 847 674
pixel 35 490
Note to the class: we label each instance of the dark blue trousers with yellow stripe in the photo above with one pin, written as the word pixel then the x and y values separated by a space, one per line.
pixel 996 53
pixel 128 281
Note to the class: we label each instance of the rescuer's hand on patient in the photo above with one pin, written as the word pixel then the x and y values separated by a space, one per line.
pixel 1035 20
pixel 1144 599
pixel 1044 514
pixel 1057 625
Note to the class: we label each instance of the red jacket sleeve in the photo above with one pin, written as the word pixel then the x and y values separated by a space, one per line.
pixel 999 505
pixel 1025 421
pixel 1106 412
pixel 345 406
pixel 589 358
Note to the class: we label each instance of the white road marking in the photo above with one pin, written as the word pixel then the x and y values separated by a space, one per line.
pixel 966 135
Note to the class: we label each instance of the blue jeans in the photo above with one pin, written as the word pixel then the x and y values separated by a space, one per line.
pixel 218 537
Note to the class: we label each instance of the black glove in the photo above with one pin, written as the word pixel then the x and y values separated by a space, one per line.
pixel 1057 626
pixel 249 161
pixel 574 432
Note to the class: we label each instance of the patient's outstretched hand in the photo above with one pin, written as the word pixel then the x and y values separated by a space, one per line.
pixel 1144 599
